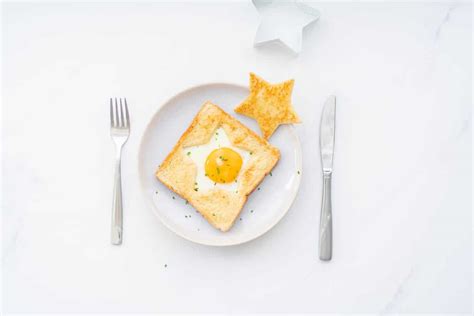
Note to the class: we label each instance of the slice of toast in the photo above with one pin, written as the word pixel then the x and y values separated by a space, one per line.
pixel 178 171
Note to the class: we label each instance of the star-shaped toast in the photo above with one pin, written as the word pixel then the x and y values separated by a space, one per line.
pixel 269 104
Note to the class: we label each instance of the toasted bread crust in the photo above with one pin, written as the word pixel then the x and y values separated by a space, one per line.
pixel 178 171
pixel 269 104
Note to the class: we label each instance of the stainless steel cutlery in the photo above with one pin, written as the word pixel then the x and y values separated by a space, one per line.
pixel 326 144
pixel 119 131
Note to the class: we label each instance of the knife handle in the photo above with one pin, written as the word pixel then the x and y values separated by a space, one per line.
pixel 325 223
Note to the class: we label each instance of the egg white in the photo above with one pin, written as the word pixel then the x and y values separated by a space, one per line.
pixel 200 153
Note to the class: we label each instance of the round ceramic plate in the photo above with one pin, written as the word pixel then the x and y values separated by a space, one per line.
pixel 265 206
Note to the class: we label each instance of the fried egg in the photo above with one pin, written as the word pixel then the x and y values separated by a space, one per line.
pixel 219 163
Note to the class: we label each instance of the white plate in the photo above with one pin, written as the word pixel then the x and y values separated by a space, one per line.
pixel 264 208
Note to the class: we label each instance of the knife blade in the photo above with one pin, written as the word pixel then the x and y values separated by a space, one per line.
pixel 327 133
pixel 326 144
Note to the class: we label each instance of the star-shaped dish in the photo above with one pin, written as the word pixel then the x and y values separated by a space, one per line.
pixel 269 104
pixel 221 204
pixel 283 21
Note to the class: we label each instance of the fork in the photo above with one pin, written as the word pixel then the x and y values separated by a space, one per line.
pixel 119 131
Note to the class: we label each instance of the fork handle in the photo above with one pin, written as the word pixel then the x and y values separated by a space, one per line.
pixel 325 224
pixel 117 209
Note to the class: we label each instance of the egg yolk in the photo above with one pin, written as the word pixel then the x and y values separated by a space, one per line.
pixel 223 165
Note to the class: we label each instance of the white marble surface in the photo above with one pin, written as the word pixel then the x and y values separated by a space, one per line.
pixel 402 181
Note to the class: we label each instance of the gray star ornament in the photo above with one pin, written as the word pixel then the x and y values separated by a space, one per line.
pixel 283 21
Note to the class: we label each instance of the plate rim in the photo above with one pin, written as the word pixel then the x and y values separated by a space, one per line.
pixel 286 205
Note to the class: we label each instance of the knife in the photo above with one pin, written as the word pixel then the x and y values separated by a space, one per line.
pixel 326 145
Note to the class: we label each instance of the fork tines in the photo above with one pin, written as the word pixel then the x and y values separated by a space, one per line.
pixel 117 109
